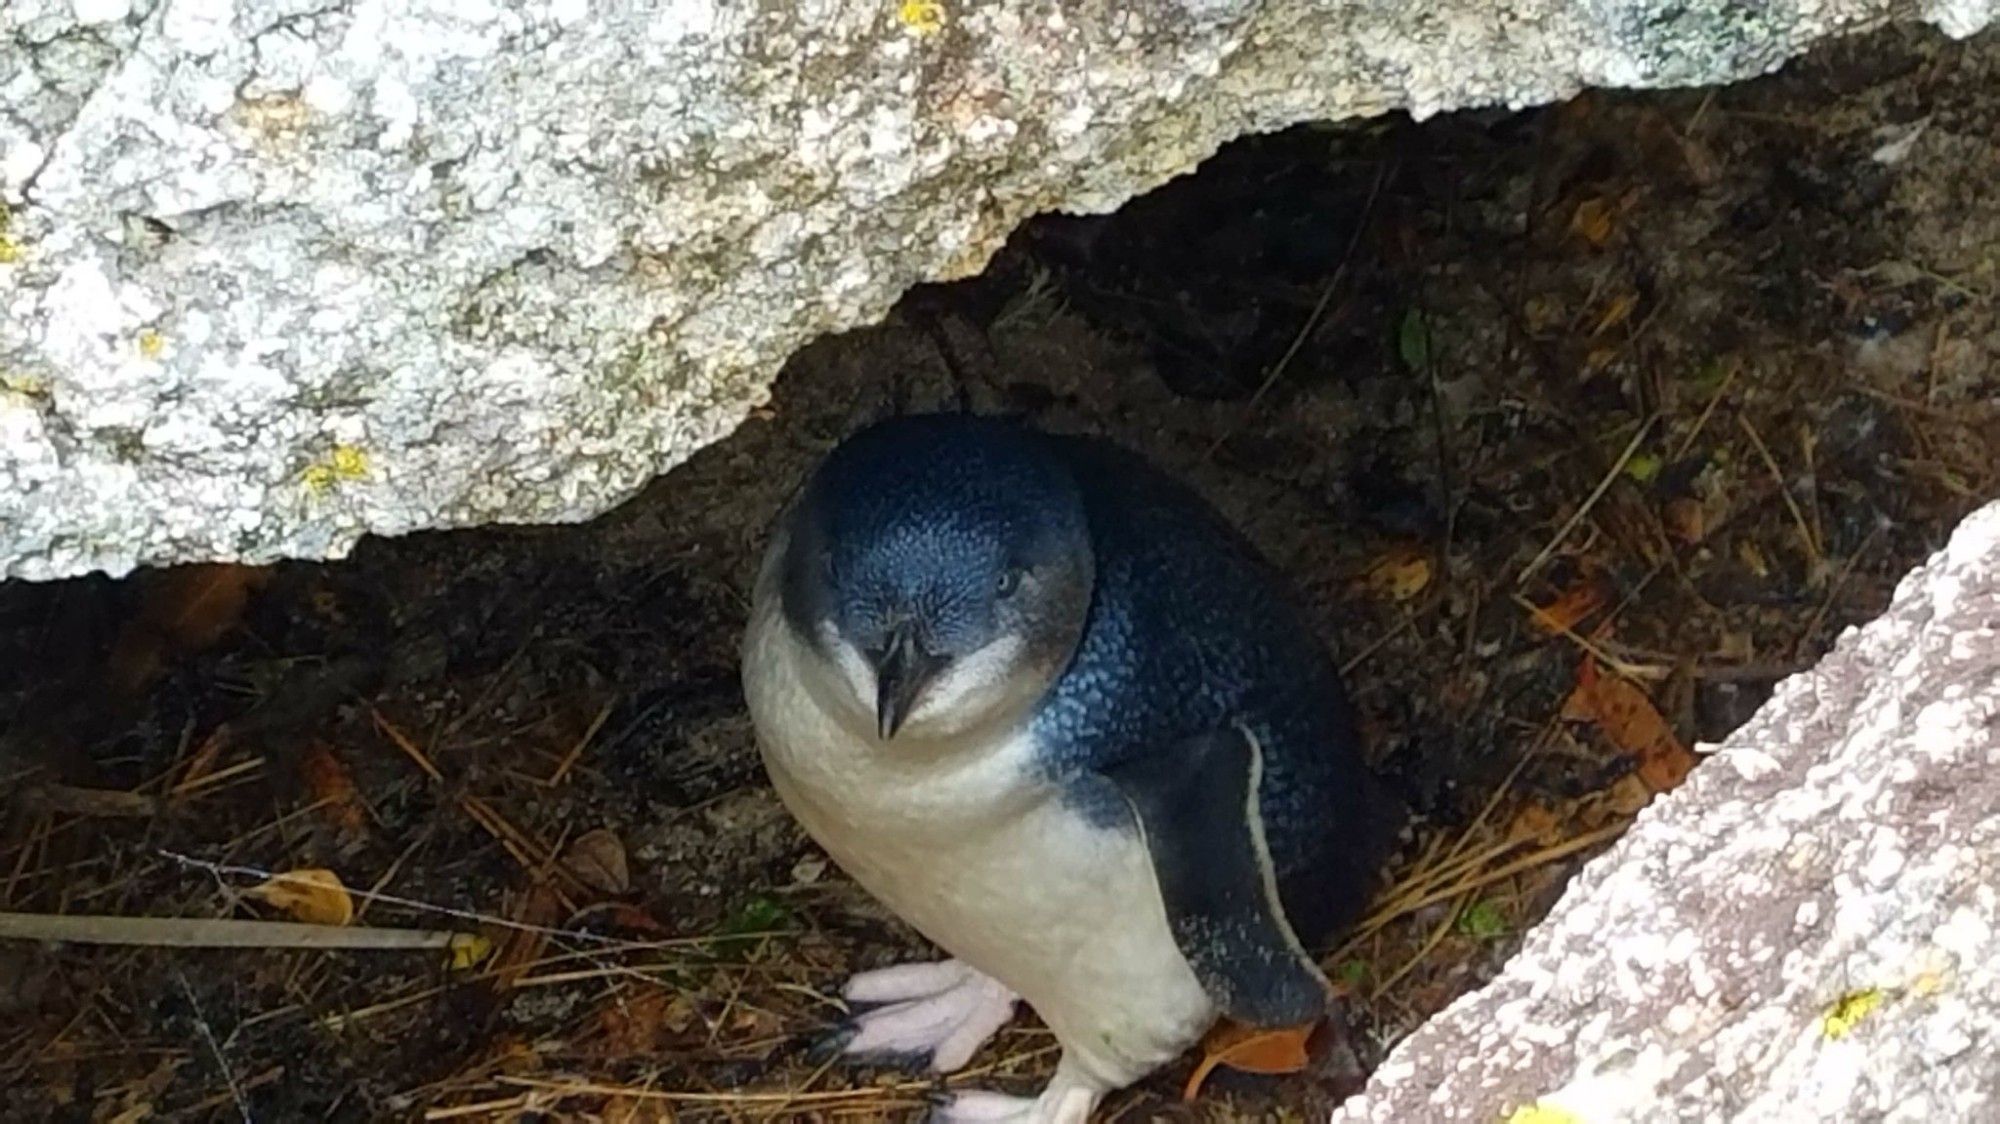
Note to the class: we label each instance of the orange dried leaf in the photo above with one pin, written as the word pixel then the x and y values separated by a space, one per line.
pixel 1593 221
pixel 1624 799
pixel 187 609
pixel 197 605
pixel 313 894
pixel 1684 519
pixel 1630 720
pixel 1250 1050
pixel 1399 575
pixel 1615 313
pixel 1533 821
pixel 332 789
pixel 1584 597
pixel 631 918
pixel 1628 796
pixel 1666 769
pixel 637 1024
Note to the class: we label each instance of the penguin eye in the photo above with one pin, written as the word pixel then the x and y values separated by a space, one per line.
pixel 1009 581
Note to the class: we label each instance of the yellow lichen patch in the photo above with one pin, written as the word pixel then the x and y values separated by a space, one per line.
pixel 925 17
pixel 27 386
pixel 1543 1114
pixel 1848 1011
pixel 344 463
pixel 349 462
pixel 152 344
pixel 271 119
pixel 10 250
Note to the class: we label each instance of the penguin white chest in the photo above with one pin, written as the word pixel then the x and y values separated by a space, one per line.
pixel 974 849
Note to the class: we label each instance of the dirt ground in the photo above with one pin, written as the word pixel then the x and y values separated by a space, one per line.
pixel 1578 428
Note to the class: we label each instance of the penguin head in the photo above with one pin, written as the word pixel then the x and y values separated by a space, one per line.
pixel 941 565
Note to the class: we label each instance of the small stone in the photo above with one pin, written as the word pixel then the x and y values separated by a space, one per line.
pixel 808 870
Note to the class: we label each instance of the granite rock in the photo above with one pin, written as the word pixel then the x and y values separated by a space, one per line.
pixel 278 273
pixel 1808 929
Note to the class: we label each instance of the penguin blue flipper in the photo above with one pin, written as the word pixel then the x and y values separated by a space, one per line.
pixel 1198 811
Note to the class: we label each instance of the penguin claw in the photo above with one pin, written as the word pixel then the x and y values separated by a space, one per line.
pixel 931 1016
pixel 834 1045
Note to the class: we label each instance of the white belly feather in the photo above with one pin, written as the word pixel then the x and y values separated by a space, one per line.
pixel 971 847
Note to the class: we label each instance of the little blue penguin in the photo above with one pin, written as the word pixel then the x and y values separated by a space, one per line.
pixel 1043 702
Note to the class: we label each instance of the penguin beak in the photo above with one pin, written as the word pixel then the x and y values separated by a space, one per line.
pixel 901 672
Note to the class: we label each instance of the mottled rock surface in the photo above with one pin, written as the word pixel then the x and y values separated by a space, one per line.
pixel 1808 929
pixel 276 273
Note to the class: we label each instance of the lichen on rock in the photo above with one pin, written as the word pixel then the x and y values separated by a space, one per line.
pixel 529 255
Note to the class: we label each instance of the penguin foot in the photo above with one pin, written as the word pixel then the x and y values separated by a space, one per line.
pixel 1060 1103
pixel 942 1012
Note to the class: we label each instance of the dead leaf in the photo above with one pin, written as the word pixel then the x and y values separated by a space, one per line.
pixel 1534 822
pixel 1616 312
pixel 597 858
pixel 635 1023
pixel 1584 596
pixel 312 894
pixel 632 919
pixel 1630 720
pixel 332 790
pixel 204 602
pixel 754 1024
pixel 1684 519
pixel 1250 1050
pixel 1398 575
pixel 187 609
pixel 1626 797
pixel 1593 221
pixel 467 951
